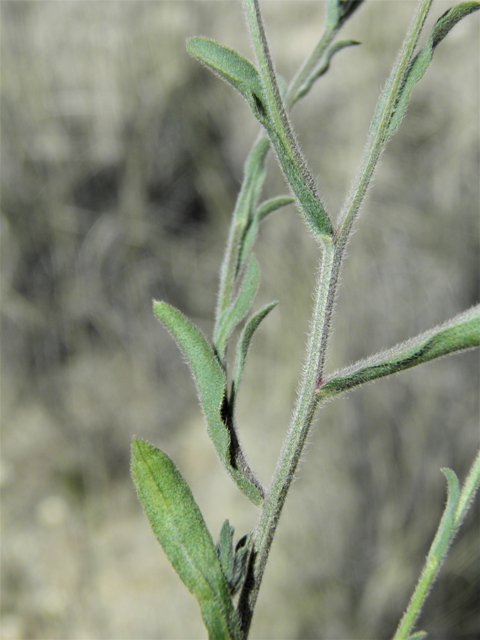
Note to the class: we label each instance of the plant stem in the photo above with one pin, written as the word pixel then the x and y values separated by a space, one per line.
pixel 378 137
pixel 304 412
pixel 246 201
pixel 436 555
pixel 309 65
pixel 254 172
pixel 332 257
pixel 470 488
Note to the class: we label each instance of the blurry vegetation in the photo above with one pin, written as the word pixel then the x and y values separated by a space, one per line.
pixel 120 164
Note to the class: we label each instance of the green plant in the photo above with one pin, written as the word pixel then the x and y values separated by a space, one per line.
pixel 215 573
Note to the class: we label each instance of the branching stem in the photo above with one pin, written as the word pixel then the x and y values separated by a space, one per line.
pixel 332 256
pixel 304 412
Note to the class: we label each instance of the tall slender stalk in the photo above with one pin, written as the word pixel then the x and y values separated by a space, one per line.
pixel 333 253
pixel 215 573
pixel 288 461
pixel 379 137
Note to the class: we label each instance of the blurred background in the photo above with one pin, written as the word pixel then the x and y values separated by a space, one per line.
pixel 121 160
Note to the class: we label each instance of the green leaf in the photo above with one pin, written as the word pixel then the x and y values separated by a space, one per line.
pixel 462 332
pixel 281 134
pixel 339 11
pixel 438 549
pixel 233 68
pixel 243 217
pixel 233 560
pixel 265 209
pixel 269 206
pixel 208 373
pixel 178 525
pixel 238 309
pixel 421 61
pixel 419 635
pixel 323 67
pixel 267 105
pixel 211 383
pixel 469 489
pixel 243 344
pixel 446 529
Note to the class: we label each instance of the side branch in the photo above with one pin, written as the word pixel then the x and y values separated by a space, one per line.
pixel 458 334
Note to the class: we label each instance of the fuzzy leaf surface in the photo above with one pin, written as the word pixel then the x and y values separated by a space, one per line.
pixel 323 67
pixel 233 68
pixel 244 343
pixel 447 529
pixel 339 11
pixel 462 332
pixel 208 373
pixel 279 128
pixel 237 254
pixel 180 528
pixel 264 210
pixel 239 307
pixel 211 383
pixel 233 560
pixel 422 60
pixel 438 549
pixel 269 206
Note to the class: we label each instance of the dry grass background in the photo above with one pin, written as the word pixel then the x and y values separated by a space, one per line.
pixel 121 159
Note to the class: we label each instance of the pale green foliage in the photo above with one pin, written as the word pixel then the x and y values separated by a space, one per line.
pixel 338 12
pixel 458 503
pixel 264 97
pixel 323 66
pixel 234 68
pixel 244 341
pixel 211 382
pixel 461 332
pixel 212 573
pixel 238 308
pixel 269 206
pixel 420 63
pixel 179 527
pixel 233 559
pixel 245 224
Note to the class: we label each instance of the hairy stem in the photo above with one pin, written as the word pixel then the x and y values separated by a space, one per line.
pixel 325 297
pixel 309 65
pixel 378 138
pixel 301 421
pixel 436 555
pixel 246 201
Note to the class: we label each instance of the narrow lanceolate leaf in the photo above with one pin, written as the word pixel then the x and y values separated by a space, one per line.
pixel 462 332
pixel 208 373
pixel 269 206
pixel 180 528
pixel 264 210
pixel 280 131
pixel 233 560
pixel 239 307
pixel 225 550
pixel 322 67
pixel 244 343
pixel 211 383
pixel 447 528
pixel 263 94
pixel 421 61
pixel 233 68
pixel 243 217
pixel 436 555
pixel 420 635
pixel 339 11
